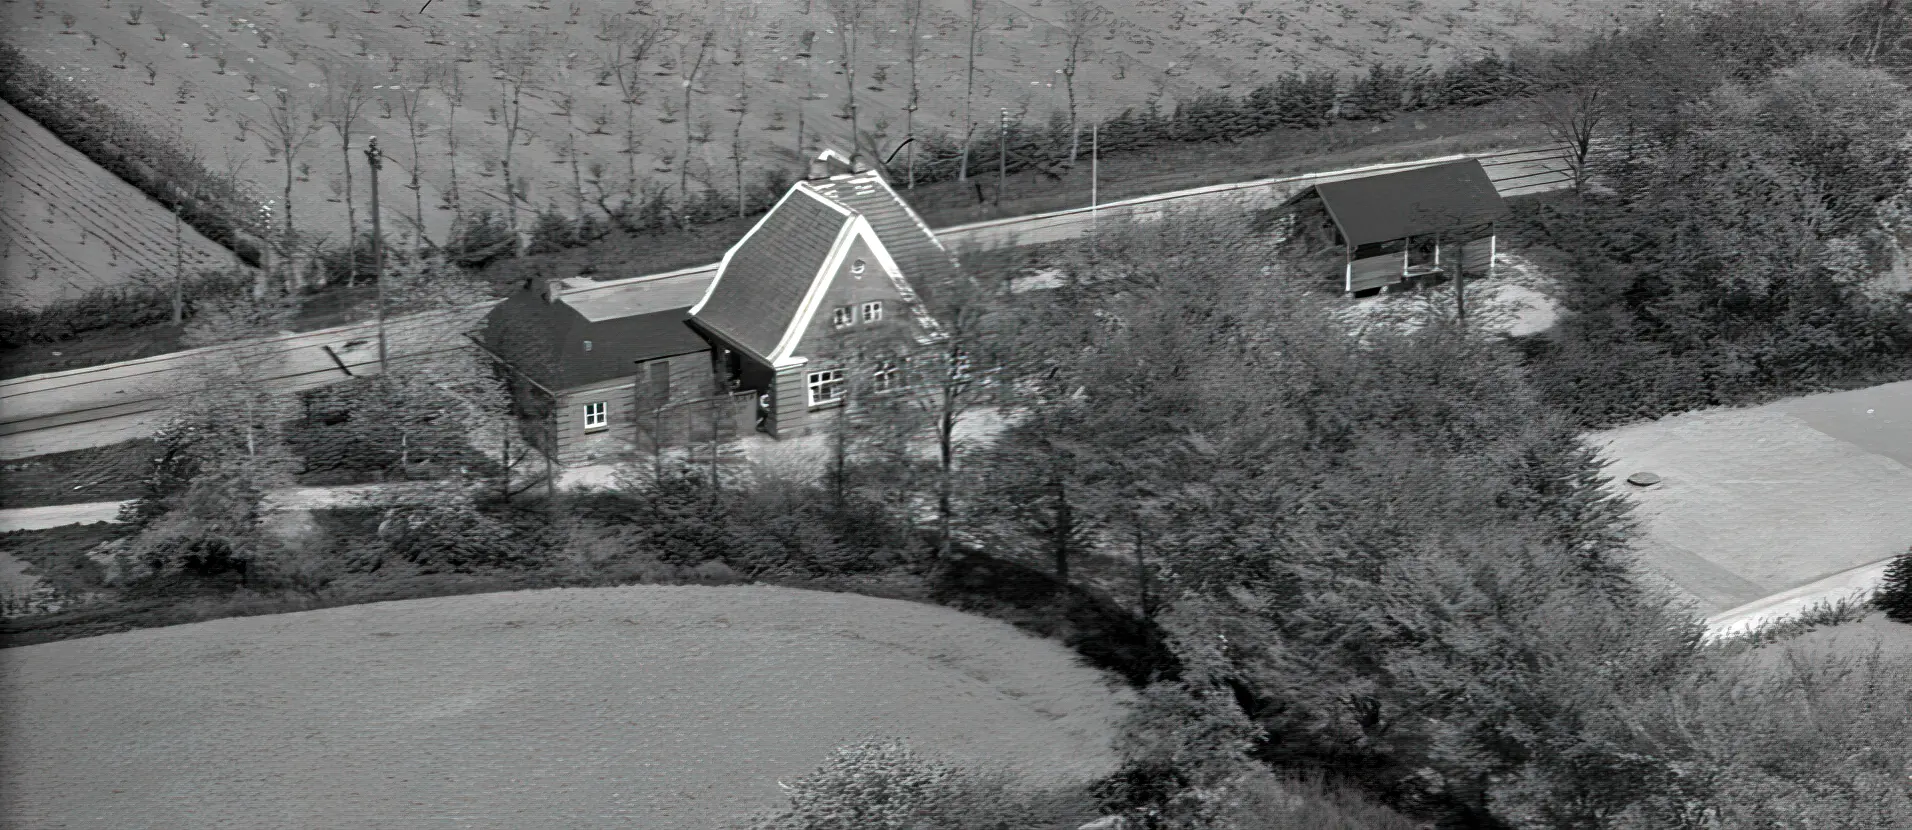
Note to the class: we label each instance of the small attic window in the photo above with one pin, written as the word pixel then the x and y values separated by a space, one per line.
pixel 857 267
pixel 587 345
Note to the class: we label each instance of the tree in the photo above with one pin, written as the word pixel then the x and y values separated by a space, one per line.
pixel 292 125
pixel 913 10
pixel 418 78
pixel 742 20
pixel 514 59
pixel 346 93
pixel 1574 99
pixel 969 87
pixel 1080 22
pixel 691 57
pixel 848 17
pixel 453 88
pixel 1895 592
pixel 631 43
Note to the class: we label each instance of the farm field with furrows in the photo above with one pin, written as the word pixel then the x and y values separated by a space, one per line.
pixel 208 70
pixel 68 226
pixel 657 707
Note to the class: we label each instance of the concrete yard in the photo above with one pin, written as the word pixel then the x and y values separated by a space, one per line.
pixel 1760 500
pixel 654 707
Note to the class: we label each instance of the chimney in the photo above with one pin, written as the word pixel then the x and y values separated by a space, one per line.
pixel 830 163
pixel 553 289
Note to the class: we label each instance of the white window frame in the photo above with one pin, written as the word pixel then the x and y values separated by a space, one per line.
pixel 828 380
pixel 597 415
pixel 872 311
pixel 842 317
pixel 884 377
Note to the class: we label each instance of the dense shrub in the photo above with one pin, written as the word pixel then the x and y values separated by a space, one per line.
pixel 883 784
pixel 1895 593
pixel 102 309
pixel 453 534
pixel 223 211
pixel 1735 262
pixel 370 428
pixel 768 531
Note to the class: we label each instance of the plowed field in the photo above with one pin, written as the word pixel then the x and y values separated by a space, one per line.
pixel 68 226
pixel 1145 48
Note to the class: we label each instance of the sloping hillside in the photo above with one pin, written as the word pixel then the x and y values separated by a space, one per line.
pixel 68 226
pixel 1140 49
pixel 654 707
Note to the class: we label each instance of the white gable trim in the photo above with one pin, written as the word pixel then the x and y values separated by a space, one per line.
pixel 724 264
pixel 820 284
pixel 931 330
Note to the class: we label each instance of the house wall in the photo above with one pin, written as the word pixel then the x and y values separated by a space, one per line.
pixel 791 414
pixel 820 340
pixel 1477 257
pixel 690 379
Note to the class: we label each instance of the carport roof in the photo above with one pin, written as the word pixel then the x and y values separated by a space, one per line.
pixel 1411 202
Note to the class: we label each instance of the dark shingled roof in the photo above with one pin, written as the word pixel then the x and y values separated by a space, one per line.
pixel 546 340
pixel 1410 202
pixel 924 262
pixel 759 290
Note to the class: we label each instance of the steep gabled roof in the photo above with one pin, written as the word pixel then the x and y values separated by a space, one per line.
pixel 767 285
pixel 546 340
pixel 1411 202
pixel 915 248
pixel 761 284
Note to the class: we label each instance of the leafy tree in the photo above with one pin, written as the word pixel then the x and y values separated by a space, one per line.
pixel 1895 592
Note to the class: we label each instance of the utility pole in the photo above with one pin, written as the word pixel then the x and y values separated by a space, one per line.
pixel 373 158
pixel 1002 157
pixel 1095 172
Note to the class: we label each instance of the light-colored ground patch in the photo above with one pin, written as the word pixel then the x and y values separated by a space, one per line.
pixel 1760 500
pixel 1517 300
pixel 655 707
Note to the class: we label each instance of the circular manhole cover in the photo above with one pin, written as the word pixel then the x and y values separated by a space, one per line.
pixel 1643 479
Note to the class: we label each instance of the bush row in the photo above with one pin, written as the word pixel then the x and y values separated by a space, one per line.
pixel 1316 99
pixel 160 169
pixel 134 306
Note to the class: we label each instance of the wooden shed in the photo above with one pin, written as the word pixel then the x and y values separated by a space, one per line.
pixel 1376 232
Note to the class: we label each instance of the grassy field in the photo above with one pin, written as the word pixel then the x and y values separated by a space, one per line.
pixel 1755 501
pixel 1151 48
pixel 111 473
pixel 68 226
pixel 659 707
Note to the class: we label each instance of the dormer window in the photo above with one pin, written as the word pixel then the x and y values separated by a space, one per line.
pixel 856 268
pixel 872 311
pixel 842 316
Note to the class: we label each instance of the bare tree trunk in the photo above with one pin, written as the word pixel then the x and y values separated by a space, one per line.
pixel 454 98
pixel 577 188
pixel 969 88
pixel 946 484
pixel 915 10
pixel 689 67
pixel 848 16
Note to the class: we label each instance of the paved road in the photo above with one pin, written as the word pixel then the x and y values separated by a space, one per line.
pixel 100 405
pixel 41 518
